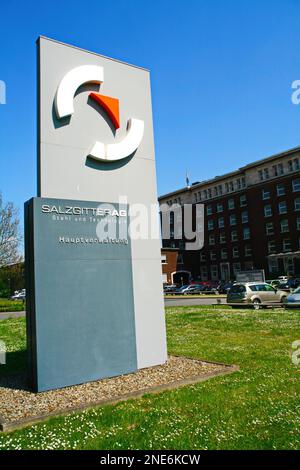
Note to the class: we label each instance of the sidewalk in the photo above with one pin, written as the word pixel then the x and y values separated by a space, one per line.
pixel 5 315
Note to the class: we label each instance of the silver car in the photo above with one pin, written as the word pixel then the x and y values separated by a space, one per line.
pixel 293 300
pixel 257 294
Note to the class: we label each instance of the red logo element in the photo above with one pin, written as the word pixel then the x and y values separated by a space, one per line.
pixel 110 105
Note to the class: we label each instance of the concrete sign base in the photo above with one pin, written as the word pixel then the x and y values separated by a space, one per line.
pixel 80 307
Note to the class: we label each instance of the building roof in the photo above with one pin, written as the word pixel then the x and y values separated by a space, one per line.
pixel 232 173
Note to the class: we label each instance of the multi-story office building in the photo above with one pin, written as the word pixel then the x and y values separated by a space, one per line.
pixel 252 220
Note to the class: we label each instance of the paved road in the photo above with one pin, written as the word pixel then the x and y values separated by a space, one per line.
pixel 175 302
pixel 188 302
pixel 4 316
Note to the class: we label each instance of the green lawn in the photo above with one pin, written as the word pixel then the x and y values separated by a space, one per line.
pixel 256 408
pixel 7 305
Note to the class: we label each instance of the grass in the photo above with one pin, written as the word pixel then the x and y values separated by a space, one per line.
pixel 256 408
pixel 7 305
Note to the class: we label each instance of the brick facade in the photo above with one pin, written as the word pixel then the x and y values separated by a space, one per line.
pixel 252 220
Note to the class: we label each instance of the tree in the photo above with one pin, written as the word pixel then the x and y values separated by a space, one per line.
pixel 9 234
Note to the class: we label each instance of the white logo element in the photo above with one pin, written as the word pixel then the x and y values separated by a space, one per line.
pixel 112 152
pixel 70 84
pixel 64 108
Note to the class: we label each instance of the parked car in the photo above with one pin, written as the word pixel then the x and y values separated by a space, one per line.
pixel 169 288
pixel 256 294
pixel 180 290
pixel 21 295
pixel 207 290
pixel 223 287
pixel 192 289
pixel 293 283
pixel 293 300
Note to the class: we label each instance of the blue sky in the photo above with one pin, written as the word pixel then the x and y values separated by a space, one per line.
pixel 221 78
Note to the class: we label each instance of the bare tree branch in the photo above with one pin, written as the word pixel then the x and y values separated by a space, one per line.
pixel 9 234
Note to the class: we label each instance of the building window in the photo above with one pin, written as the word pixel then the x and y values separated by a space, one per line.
pixel 245 217
pixel 213 256
pixel 282 207
pixel 294 165
pixel 210 224
pixel 211 240
pixel 248 250
pixel 266 194
pixel 243 200
pixel 236 268
pixel 219 207
pixel 297 204
pixel 246 233
pixel 298 223
pixel 234 236
pixel 271 246
pixel 221 222
pixel 163 259
pixel 296 185
pixel 280 189
pixel 235 252
pixel 263 174
pixel 202 257
pixel 278 169
pixel 232 219
pixel 218 190
pixel 270 228
pixel 203 273
pixel 284 226
pixel 209 209
pixel 209 193
pixel 230 203
pixel 214 272
pixel 229 187
pixel 224 253
pixel 286 245
pixel 222 237
pixel 268 210
pixel 241 183
pixel 273 265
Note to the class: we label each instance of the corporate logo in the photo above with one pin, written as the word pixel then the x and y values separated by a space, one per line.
pixel 105 152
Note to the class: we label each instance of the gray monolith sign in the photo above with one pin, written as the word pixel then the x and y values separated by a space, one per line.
pixel 95 304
